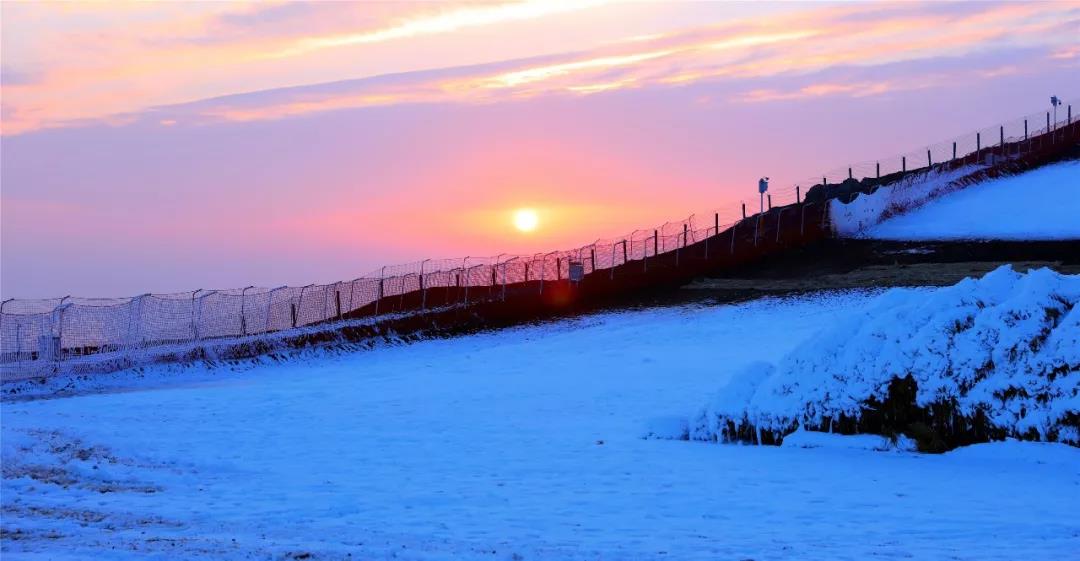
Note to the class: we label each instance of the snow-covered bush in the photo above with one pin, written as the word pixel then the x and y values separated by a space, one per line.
pixel 982 360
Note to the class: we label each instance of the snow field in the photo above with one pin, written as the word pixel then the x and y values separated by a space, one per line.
pixel 518 444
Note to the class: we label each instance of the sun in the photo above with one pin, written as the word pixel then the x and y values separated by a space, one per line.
pixel 526 219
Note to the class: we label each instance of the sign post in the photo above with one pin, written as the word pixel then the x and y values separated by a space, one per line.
pixel 762 187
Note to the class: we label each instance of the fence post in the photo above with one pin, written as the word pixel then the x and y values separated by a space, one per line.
pixel 212 292
pixel 655 242
pixel 299 303
pixel 423 287
pixel 1068 118
pixel 1002 141
pixel 2 304
pixel 978 145
pixel 59 312
pixel 592 257
pixel 903 164
pixel 849 176
pixel 1047 121
pixel 543 272
pixel 194 329
pixel 1026 130
pixel 778 215
pixel 877 172
pixel 243 308
pixel 684 230
pixel 769 196
pixel 135 320
pixel 744 211
pixel 798 199
pixel 382 275
pixel 929 162
pixel 338 298
pixel 270 306
pixel 733 226
pixel 624 253
pixel 954 151
pixel 352 296
pixel 611 273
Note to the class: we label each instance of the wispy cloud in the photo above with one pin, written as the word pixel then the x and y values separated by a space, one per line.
pixel 122 78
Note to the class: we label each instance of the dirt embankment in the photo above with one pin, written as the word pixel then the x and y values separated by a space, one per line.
pixel 844 264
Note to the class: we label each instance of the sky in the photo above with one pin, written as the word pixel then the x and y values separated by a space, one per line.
pixel 165 147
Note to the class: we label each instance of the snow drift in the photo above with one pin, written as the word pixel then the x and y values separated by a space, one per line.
pixel 850 218
pixel 982 360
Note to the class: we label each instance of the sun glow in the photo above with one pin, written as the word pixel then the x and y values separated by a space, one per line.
pixel 526 219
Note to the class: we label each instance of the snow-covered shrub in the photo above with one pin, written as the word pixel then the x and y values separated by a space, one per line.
pixel 982 360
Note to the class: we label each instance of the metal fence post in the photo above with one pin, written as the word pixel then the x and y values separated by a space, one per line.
pixel 59 342
pixel 299 305
pixel 379 295
pixel 194 328
pixel 2 304
pixel 203 297
pixel 243 317
pixel 423 287
pixel 135 320
pixel 733 226
pixel 270 305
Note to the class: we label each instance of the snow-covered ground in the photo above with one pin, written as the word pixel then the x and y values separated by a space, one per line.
pixel 1042 204
pixel 1005 346
pixel 519 444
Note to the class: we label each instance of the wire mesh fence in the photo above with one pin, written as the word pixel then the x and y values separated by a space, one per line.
pixel 37 335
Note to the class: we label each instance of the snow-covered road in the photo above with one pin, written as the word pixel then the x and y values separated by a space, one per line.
pixel 519 444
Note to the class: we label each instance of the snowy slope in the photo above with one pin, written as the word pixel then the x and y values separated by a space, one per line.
pixel 850 219
pixel 1042 204
pixel 1006 346
pixel 519 444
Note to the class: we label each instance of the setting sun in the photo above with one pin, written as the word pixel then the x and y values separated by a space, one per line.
pixel 526 219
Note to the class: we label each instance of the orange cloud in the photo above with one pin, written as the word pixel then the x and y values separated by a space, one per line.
pixel 124 74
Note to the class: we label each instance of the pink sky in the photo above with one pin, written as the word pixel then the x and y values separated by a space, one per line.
pixel 160 147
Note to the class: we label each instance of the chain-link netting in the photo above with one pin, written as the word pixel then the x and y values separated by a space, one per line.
pixel 51 331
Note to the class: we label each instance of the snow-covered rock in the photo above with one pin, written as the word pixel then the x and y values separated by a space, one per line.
pixel 981 360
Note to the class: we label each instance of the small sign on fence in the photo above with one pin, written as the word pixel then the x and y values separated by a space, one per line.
pixel 577 271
